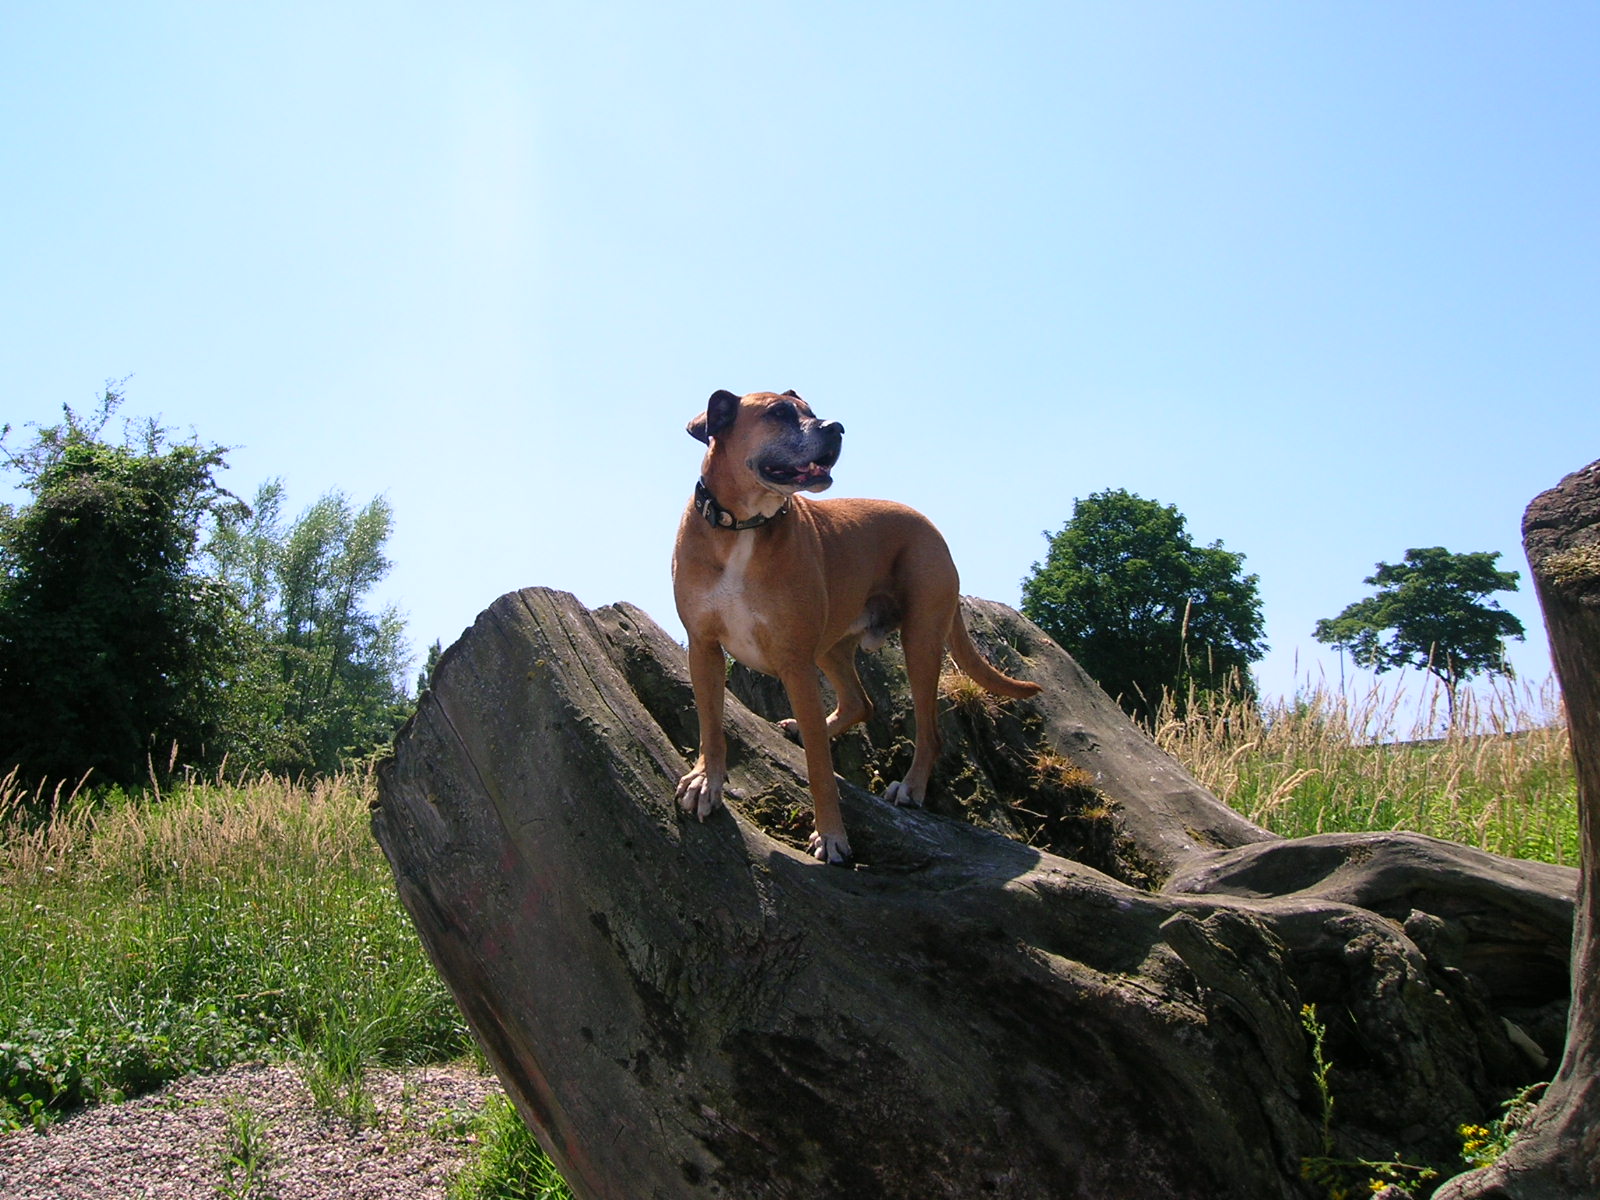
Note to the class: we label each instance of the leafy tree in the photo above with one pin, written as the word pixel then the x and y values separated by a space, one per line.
pixel 1435 608
pixel 114 645
pixel 425 676
pixel 327 674
pixel 130 641
pixel 1127 592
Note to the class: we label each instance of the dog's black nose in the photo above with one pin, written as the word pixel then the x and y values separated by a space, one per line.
pixel 832 428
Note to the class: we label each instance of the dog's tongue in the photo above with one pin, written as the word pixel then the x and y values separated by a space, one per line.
pixel 813 471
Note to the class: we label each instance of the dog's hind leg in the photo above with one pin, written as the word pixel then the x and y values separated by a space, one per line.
pixel 923 637
pixel 839 665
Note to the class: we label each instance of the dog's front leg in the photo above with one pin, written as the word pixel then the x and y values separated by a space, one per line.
pixel 700 791
pixel 828 841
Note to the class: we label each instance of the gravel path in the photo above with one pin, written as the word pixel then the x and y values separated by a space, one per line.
pixel 170 1145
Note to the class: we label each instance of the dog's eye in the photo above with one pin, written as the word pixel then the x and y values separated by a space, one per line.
pixel 783 411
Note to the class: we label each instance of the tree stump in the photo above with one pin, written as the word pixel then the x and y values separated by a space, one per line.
pixel 1558 1155
pixel 1115 1010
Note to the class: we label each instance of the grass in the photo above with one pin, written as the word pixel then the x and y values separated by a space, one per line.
pixel 508 1164
pixel 244 1156
pixel 150 936
pixel 1322 761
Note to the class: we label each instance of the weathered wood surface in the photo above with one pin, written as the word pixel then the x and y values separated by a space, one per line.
pixel 690 1010
pixel 1558 1157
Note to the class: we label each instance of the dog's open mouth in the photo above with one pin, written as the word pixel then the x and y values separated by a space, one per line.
pixel 811 475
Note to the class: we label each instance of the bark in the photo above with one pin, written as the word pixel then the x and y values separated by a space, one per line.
pixel 1558 1155
pixel 688 1010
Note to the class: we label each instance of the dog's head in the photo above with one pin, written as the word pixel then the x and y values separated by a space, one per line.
pixel 777 438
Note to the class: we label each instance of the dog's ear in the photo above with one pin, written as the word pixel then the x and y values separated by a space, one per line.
pixel 792 393
pixel 720 411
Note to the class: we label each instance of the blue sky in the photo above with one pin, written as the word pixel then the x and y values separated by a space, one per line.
pixel 1323 275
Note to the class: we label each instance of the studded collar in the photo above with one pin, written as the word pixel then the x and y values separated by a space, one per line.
pixel 720 518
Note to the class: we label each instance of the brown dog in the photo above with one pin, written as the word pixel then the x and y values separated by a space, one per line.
pixel 786 585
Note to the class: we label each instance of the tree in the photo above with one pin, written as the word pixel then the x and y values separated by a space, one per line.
pixel 429 662
pixel 1436 610
pixel 1144 610
pixel 113 643
pixel 148 616
pixel 328 675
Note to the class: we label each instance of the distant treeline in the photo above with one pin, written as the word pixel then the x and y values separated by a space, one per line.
pixel 151 620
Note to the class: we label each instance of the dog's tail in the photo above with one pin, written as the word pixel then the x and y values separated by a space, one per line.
pixel 977 667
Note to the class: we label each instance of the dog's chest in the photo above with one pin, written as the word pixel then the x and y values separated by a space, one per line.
pixel 735 600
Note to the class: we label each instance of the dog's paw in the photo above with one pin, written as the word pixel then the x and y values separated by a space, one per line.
pixel 899 793
pixel 790 728
pixel 831 849
pixel 700 792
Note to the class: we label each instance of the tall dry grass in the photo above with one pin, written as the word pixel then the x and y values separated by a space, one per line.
pixel 1324 760
pixel 194 831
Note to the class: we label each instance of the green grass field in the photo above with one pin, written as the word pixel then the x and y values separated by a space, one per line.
pixel 148 937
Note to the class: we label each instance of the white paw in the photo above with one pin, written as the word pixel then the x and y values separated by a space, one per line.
pixel 790 728
pixel 899 793
pixel 830 849
pixel 700 792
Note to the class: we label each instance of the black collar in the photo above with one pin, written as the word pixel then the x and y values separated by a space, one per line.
pixel 720 518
